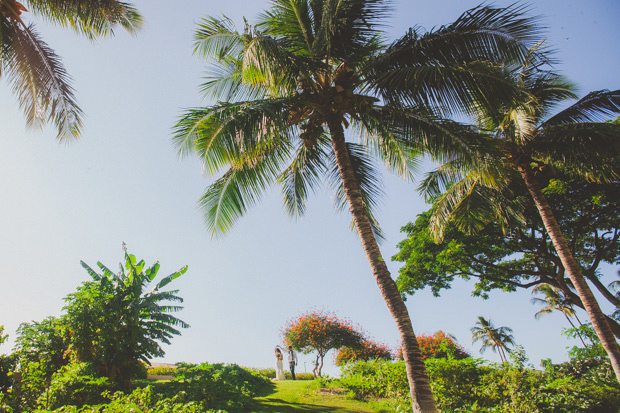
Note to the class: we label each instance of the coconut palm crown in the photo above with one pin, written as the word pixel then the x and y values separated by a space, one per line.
pixel 289 86
pixel 525 145
pixel 35 72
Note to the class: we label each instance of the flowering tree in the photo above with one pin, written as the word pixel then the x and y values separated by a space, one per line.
pixel 320 332
pixel 368 350
pixel 439 346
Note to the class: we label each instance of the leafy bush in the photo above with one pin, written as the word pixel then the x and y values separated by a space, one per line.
pixel 141 400
pixel 216 386
pixel 75 384
pixel 456 383
pixel 376 378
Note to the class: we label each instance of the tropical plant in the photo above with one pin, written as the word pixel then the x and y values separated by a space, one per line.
pixel 320 332
pixel 496 338
pixel 524 148
pixel 289 86
pixel 35 71
pixel 116 321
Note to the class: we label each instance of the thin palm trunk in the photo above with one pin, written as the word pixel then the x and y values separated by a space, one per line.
pixel 598 318
pixel 419 384
pixel 575 328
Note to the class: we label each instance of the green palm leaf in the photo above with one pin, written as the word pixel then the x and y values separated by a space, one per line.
pixel 98 18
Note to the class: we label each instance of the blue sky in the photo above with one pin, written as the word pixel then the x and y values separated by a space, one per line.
pixel 123 182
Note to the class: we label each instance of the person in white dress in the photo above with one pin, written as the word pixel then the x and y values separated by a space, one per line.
pixel 279 364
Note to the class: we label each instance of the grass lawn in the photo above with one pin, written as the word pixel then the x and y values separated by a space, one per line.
pixel 300 396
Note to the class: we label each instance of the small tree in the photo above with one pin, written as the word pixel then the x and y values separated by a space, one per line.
pixel 117 320
pixel 367 350
pixel 320 332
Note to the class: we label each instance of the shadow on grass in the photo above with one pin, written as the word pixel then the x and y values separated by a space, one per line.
pixel 266 390
pixel 281 406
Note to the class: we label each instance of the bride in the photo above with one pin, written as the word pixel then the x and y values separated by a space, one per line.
pixel 279 364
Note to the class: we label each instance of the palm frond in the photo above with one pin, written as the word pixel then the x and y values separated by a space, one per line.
pixel 455 65
pixel 376 132
pixel 418 129
pixel 93 18
pixel 348 30
pixel 219 134
pixel 229 197
pixel 587 149
pixel 292 21
pixel 596 106
pixel 39 79
pixel 475 200
pixel 303 175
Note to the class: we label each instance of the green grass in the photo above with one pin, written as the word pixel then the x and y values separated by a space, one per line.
pixel 302 396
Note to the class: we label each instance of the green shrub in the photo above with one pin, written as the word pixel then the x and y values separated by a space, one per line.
pixel 456 383
pixel 142 400
pixel 216 386
pixel 75 384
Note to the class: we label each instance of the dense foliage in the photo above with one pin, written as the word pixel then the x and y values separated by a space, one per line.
pixel 319 332
pixel 469 385
pixel 497 258
pixel 367 350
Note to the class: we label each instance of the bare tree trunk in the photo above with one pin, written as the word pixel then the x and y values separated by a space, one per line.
pixel 598 318
pixel 419 384
pixel 316 366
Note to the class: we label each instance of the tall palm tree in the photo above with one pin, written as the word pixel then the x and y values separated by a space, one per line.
pixel 554 300
pixel 525 145
pixel 33 69
pixel 496 338
pixel 289 86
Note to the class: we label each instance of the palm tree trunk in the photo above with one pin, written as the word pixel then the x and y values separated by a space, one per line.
pixel 575 328
pixel 598 318
pixel 419 384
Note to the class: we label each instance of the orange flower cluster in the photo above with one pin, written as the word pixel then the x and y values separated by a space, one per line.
pixel 319 331
pixel 439 345
pixel 368 350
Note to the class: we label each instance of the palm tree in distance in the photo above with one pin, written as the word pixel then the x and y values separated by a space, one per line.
pixel 33 69
pixel 524 148
pixel 289 86
pixel 554 300
pixel 496 338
